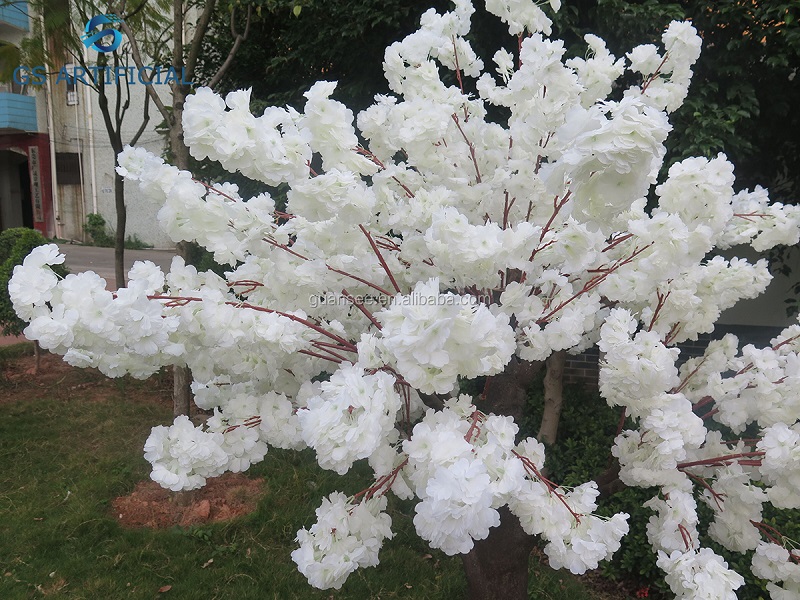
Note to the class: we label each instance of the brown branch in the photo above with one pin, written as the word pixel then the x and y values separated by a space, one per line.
pixel 239 38
pixel 656 74
pixel 593 283
pixel 377 252
pixel 183 300
pixel 471 147
pixel 149 89
pixel 199 34
pixel 360 306
pixel 719 461
pixel 145 121
pixel 322 356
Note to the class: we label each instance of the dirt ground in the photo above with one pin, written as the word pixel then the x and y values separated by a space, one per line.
pixel 56 379
pixel 222 498
pixel 149 505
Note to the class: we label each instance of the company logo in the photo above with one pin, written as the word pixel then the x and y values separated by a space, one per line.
pixel 95 74
pixel 92 39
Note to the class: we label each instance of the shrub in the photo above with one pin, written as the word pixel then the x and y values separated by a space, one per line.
pixel 588 427
pixel 15 245
pixel 96 228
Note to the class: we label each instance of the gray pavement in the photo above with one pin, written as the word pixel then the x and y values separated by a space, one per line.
pixel 101 260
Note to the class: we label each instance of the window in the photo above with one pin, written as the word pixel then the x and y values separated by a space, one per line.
pixel 68 171
pixel 72 86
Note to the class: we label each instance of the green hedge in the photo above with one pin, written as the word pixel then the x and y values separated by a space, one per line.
pixel 587 430
pixel 15 245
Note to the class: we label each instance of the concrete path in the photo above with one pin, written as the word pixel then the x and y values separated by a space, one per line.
pixel 101 261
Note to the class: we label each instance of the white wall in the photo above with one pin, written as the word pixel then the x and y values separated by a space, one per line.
pixel 769 308
pixel 141 211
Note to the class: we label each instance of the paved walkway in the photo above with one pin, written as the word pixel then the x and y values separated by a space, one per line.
pixel 101 261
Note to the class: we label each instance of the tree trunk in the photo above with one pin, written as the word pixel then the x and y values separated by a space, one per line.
pixel 181 391
pixel 507 393
pixel 497 567
pixel 180 152
pixel 553 398
pixel 122 218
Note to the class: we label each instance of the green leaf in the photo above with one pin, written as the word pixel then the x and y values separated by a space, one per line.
pixel 296 10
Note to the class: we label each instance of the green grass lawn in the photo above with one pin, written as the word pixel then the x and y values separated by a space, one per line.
pixel 66 455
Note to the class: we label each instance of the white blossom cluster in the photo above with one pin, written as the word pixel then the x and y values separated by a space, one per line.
pixel 345 537
pixel 699 574
pixel 464 465
pixel 577 538
pixel 426 340
pixel 349 416
pixel 461 247
pixel 781 466
pixel 183 455
pixel 122 332
pixel 778 565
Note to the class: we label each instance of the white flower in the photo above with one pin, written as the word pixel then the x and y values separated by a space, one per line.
pixel 699 574
pixel 645 59
pixel 781 464
pixel 456 507
pixel 350 417
pixel 345 537
pixel 183 455
pixel 434 338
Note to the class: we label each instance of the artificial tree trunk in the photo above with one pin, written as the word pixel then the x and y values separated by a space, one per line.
pixel 122 218
pixel 497 567
pixel 553 398
pixel 181 390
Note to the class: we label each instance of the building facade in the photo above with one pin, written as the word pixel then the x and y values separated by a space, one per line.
pixel 26 182
pixel 56 160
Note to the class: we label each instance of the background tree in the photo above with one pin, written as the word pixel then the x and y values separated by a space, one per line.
pixel 182 55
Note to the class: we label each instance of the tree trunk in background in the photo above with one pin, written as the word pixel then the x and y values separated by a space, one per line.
pixel 497 567
pixel 122 218
pixel 553 398
pixel 184 61
pixel 181 390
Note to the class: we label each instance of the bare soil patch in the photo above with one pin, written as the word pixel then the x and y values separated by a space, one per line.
pixel 56 379
pixel 223 498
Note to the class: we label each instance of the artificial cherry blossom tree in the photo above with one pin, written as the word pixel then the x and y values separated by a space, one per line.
pixel 438 246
